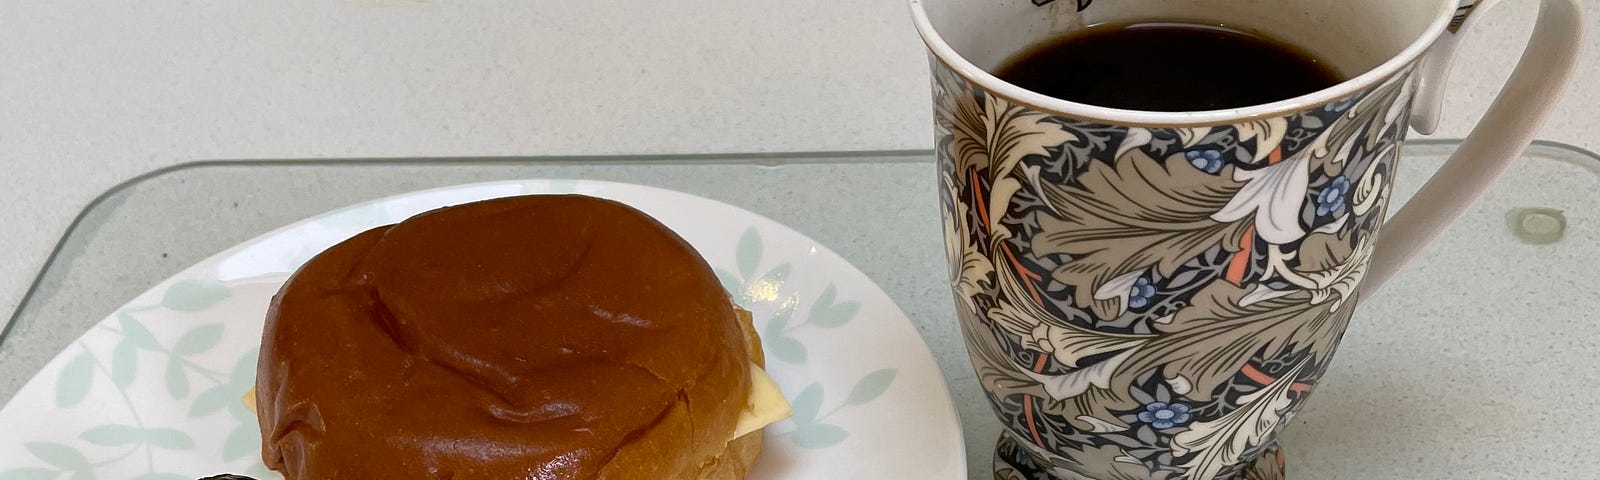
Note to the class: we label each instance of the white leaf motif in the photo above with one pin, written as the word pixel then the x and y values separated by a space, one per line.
pixel 969 270
pixel 1070 344
pixel 1400 104
pixel 1000 194
pixel 1062 387
pixel 1274 194
pixel 974 277
pixel 1137 137
pixel 1338 283
pixel 1119 289
pixel 1101 426
pixel 1261 294
pixel 1180 385
pixel 1221 442
pixel 1268 133
pixel 955 224
pixel 1370 188
pixel 1128 459
pixel 1032 173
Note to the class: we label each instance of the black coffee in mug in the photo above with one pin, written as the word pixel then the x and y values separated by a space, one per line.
pixel 1168 67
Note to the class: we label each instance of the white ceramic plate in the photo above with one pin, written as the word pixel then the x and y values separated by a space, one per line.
pixel 152 392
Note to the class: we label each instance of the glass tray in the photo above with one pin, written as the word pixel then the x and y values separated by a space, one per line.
pixel 1466 364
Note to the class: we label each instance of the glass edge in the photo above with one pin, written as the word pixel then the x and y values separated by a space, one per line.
pixel 751 158
pixel 738 158
pixel 773 159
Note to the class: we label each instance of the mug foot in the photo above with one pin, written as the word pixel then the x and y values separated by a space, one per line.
pixel 1014 461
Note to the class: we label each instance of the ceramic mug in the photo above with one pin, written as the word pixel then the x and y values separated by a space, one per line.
pixel 1151 295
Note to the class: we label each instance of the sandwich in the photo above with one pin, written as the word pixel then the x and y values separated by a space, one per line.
pixel 534 337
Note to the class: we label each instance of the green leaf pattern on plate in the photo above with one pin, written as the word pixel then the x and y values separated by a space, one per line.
pixel 243 440
pixel 64 459
pixel 167 438
pixel 819 435
pixel 60 456
pixel 748 253
pixel 112 435
pixel 135 440
pixel 776 335
pixel 811 427
pixel 29 474
pixel 199 340
pixel 177 379
pixel 826 311
pixel 194 295
pixel 134 333
pixel 212 401
pixel 787 349
pixel 124 364
pixel 74 382
pixel 119 435
pixel 870 387
pixel 807 404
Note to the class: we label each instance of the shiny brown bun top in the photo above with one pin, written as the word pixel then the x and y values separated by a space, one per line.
pixel 528 337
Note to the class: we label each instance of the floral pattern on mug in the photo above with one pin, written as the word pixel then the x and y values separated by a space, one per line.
pixel 1156 303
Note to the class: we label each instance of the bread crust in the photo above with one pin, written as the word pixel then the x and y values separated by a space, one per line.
pixel 573 337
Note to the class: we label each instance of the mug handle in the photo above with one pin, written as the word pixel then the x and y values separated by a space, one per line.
pixel 1494 144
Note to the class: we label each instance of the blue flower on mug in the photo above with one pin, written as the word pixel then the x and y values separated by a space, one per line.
pixel 1333 195
pixel 1142 293
pixel 1163 415
pixel 1209 161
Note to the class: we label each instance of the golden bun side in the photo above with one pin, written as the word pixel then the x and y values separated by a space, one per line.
pixel 542 336
pixel 653 454
pixel 736 461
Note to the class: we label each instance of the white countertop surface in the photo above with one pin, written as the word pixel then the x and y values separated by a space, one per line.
pixel 96 93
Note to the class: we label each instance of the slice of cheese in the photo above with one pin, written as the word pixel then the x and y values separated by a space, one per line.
pixel 765 406
pixel 250 400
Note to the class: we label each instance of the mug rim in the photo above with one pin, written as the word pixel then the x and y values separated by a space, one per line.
pixel 1116 116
